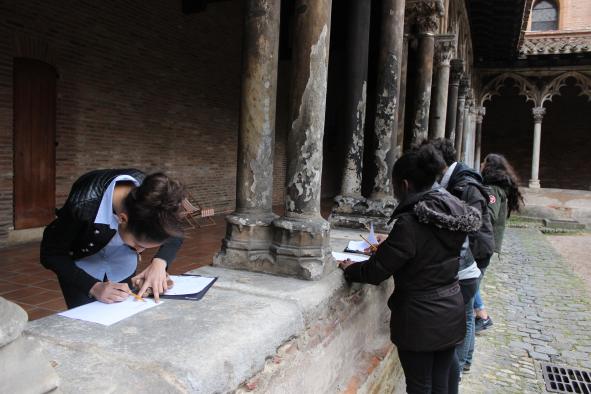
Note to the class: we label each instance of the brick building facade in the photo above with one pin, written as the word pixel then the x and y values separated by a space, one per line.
pixel 140 84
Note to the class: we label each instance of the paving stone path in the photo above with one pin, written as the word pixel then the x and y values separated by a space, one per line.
pixel 541 311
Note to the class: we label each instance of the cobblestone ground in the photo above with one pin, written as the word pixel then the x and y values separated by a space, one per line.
pixel 541 312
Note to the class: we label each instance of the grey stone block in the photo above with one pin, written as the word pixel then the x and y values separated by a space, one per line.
pixel 12 323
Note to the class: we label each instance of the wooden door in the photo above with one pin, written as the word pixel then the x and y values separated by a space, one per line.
pixel 34 142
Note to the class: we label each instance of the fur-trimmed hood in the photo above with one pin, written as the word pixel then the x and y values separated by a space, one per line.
pixel 439 208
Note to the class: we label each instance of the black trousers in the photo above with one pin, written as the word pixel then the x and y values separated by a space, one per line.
pixel 75 296
pixel 427 372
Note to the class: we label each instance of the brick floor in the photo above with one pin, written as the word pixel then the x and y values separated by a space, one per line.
pixel 36 290
pixel 25 281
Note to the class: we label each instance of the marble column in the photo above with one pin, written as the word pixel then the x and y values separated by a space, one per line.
pixel 456 71
pixel 444 48
pixel 470 135
pixel 538 113
pixel 478 143
pixel 462 92
pixel 425 15
pixel 381 203
pixel 301 240
pixel 466 128
pixel 249 228
pixel 350 206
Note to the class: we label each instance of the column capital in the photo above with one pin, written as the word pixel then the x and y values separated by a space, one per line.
pixel 481 111
pixel 538 113
pixel 425 14
pixel 464 85
pixel 445 46
pixel 456 71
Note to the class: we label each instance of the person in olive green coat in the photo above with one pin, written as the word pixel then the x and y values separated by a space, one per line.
pixel 505 196
pixel 498 175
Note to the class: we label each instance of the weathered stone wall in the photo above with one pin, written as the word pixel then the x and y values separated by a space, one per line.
pixel 140 84
pixel 508 129
pixel 252 333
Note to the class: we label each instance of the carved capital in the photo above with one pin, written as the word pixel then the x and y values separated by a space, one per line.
pixel 464 85
pixel 456 71
pixel 538 113
pixel 424 14
pixel 445 46
pixel 481 113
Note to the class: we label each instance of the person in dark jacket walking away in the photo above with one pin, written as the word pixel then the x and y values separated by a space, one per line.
pixel 109 218
pixel 466 184
pixel 422 254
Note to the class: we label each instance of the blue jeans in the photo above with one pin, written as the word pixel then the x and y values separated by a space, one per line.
pixel 465 350
pixel 478 303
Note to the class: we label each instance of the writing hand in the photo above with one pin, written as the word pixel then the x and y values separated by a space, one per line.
pixel 109 292
pixel 343 264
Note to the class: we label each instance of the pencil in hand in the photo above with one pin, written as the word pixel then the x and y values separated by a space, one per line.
pixel 137 297
pixel 372 247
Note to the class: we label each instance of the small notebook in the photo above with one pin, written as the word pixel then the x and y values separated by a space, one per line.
pixel 189 287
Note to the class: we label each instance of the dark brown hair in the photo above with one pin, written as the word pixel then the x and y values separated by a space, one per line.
pixel 446 148
pixel 421 166
pixel 496 170
pixel 154 208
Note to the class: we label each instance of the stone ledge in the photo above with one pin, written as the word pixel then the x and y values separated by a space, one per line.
pixel 277 334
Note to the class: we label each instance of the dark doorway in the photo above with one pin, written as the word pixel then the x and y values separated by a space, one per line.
pixel 34 142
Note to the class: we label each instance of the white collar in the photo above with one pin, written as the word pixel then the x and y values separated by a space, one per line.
pixel 105 213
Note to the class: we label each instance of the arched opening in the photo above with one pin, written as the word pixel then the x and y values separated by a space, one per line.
pixel 507 128
pixel 544 16
pixel 565 140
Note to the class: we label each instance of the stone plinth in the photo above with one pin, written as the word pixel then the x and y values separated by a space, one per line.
pixel 252 332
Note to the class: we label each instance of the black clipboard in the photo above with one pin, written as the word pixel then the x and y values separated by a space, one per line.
pixel 191 297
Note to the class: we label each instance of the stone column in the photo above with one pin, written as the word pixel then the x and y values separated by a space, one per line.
pixel 249 228
pixel 457 68
pixel 466 128
pixel 350 205
pixel 478 144
pixel 381 202
pixel 444 48
pixel 462 92
pixel 301 241
pixel 402 95
pixel 425 15
pixel 471 135
pixel 538 113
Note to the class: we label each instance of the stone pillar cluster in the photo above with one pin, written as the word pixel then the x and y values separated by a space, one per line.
pixel 297 243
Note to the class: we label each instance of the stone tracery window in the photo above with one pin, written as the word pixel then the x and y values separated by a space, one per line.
pixel 544 16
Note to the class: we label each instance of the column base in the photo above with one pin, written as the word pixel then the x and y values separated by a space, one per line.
pixel 349 212
pixel 301 248
pixel 379 211
pixel 247 242
pixel 534 183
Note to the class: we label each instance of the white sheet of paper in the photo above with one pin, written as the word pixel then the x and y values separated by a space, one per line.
pixel 351 256
pixel 358 246
pixel 107 314
pixel 188 284
pixel 372 236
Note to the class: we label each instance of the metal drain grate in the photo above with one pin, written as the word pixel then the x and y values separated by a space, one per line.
pixel 566 380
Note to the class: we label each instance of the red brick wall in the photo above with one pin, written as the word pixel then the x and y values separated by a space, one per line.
pixel 575 14
pixel 565 144
pixel 141 85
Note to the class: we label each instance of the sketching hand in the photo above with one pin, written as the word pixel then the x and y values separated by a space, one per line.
pixel 109 292
pixel 154 276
